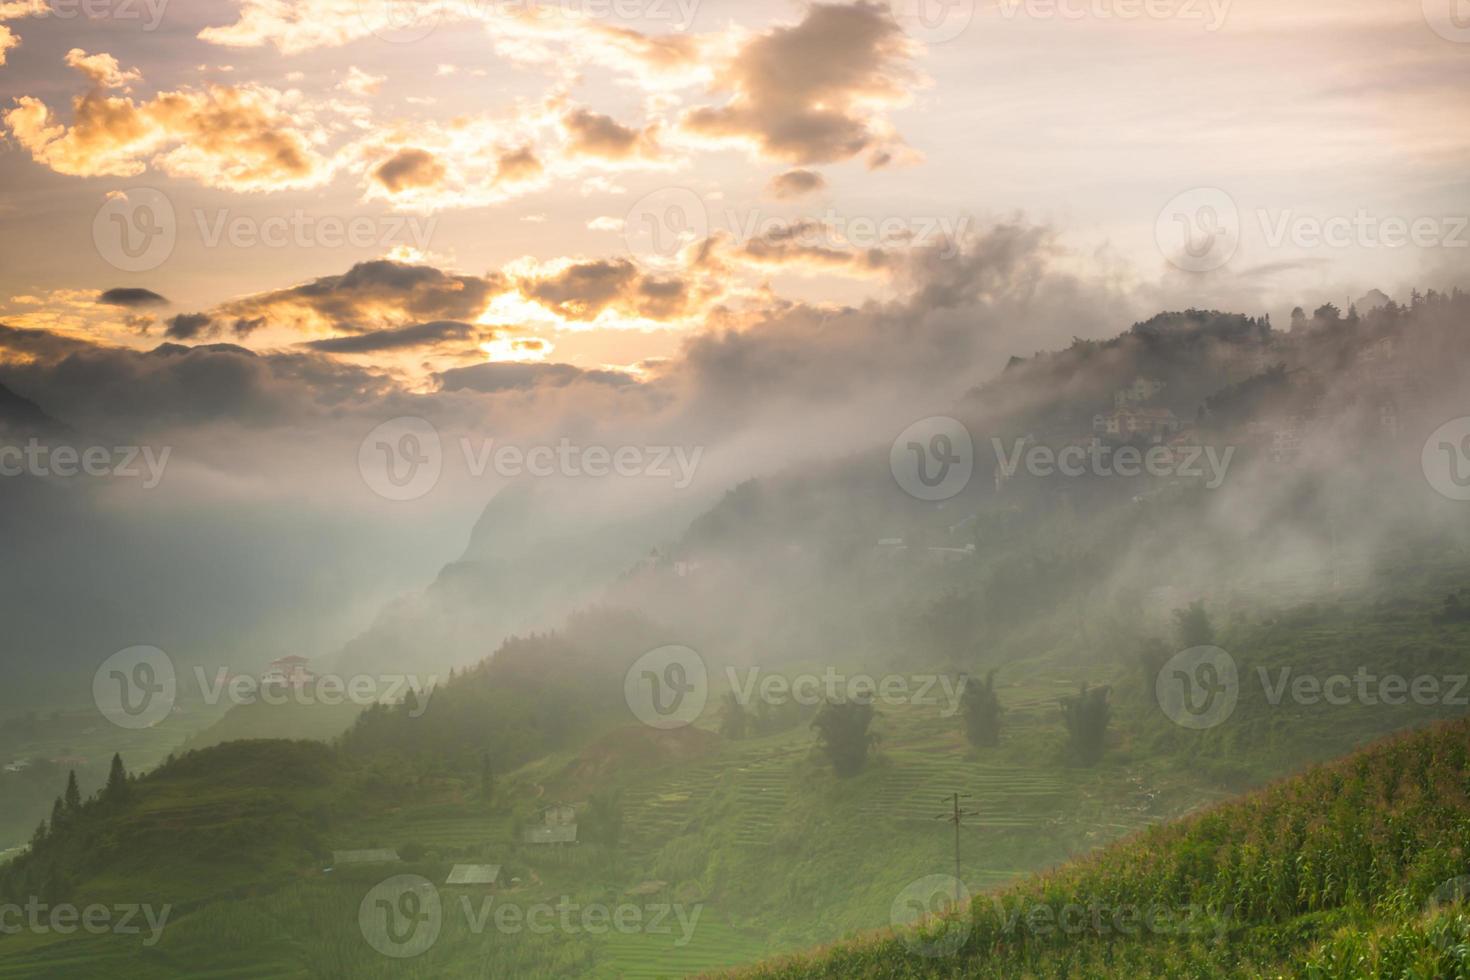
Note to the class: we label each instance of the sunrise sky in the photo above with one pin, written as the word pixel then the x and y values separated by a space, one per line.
pixel 592 183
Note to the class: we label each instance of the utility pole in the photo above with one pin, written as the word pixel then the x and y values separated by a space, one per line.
pixel 955 818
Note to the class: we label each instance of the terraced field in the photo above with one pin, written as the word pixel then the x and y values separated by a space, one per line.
pixel 640 956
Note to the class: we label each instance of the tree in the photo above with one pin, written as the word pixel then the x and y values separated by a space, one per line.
pixel 842 733
pixel 1326 314
pixel 1194 626
pixel 1086 717
pixel 117 791
pixel 604 821
pixel 73 795
pixel 982 711
pixel 1298 319
pixel 734 723
pixel 487 779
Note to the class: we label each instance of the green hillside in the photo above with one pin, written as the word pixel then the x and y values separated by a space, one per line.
pixel 1352 869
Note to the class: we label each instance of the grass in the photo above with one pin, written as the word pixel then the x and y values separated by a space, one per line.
pixel 778 854
pixel 1328 874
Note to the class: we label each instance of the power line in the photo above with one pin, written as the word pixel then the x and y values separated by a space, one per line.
pixel 956 817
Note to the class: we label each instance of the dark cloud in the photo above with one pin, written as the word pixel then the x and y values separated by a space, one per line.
pixel 131 296
pixel 795 183
pixel 595 135
pixel 417 335
pixel 502 376
pixel 175 384
pixel 810 93
pixel 585 289
pixel 187 326
pixel 409 168
pixel 373 295
pixel 518 166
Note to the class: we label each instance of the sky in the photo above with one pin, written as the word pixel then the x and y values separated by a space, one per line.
pixel 423 187
pixel 270 237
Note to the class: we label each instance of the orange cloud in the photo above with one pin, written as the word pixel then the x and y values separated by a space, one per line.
pixel 243 138
pixel 816 91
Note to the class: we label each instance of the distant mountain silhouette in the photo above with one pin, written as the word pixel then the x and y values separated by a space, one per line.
pixel 23 415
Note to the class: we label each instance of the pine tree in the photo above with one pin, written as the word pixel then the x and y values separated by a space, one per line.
pixel 982 711
pixel 73 795
pixel 117 791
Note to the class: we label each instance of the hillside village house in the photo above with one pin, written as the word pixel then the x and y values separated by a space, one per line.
pixel 1141 390
pixel 288 671
pixel 559 825
pixel 1125 423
